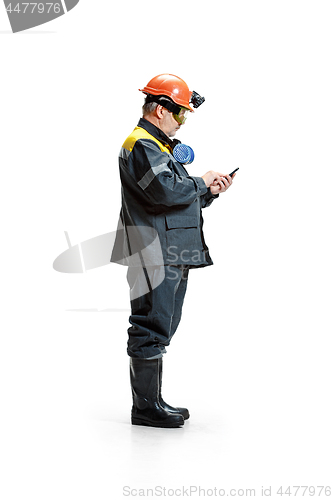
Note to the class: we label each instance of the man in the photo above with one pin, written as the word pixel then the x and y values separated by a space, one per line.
pixel 160 199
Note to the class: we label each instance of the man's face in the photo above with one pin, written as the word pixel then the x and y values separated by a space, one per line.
pixel 168 124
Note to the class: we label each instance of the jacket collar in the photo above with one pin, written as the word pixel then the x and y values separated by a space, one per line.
pixel 157 133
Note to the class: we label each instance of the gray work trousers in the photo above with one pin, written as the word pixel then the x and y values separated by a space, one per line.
pixel 155 315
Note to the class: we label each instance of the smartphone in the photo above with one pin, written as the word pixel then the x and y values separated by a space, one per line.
pixel 232 173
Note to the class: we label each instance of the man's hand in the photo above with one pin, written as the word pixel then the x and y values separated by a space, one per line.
pixel 221 185
pixel 211 177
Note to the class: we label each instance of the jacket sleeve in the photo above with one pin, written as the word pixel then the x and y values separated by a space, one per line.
pixel 207 199
pixel 153 173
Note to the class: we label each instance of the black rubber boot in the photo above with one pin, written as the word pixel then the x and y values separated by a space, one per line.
pixel 163 404
pixel 146 408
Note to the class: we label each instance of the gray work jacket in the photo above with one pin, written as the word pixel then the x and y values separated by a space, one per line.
pixel 160 220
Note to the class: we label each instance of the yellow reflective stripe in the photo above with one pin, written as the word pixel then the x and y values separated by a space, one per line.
pixel 141 133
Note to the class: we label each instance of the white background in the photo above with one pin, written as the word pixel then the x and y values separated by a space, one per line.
pixel 252 359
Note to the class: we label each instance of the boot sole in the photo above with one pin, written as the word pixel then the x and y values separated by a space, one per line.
pixel 139 421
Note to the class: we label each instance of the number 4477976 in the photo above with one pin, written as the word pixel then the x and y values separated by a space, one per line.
pixel 31 7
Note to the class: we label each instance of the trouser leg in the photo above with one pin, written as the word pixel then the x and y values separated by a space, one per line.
pixel 179 300
pixel 156 314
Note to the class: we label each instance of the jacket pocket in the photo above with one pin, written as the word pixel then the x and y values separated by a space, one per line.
pixel 182 238
pixel 180 221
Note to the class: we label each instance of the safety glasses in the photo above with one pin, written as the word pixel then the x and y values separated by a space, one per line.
pixel 181 116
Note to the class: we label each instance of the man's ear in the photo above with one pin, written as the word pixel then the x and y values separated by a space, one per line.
pixel 159 111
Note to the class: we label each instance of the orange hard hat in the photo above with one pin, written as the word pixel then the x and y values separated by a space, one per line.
pixel 171 86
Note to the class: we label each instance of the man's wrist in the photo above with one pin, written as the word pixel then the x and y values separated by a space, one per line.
pixel 211 195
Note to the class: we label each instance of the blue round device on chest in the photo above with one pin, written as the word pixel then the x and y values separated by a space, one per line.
pixel 183 154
